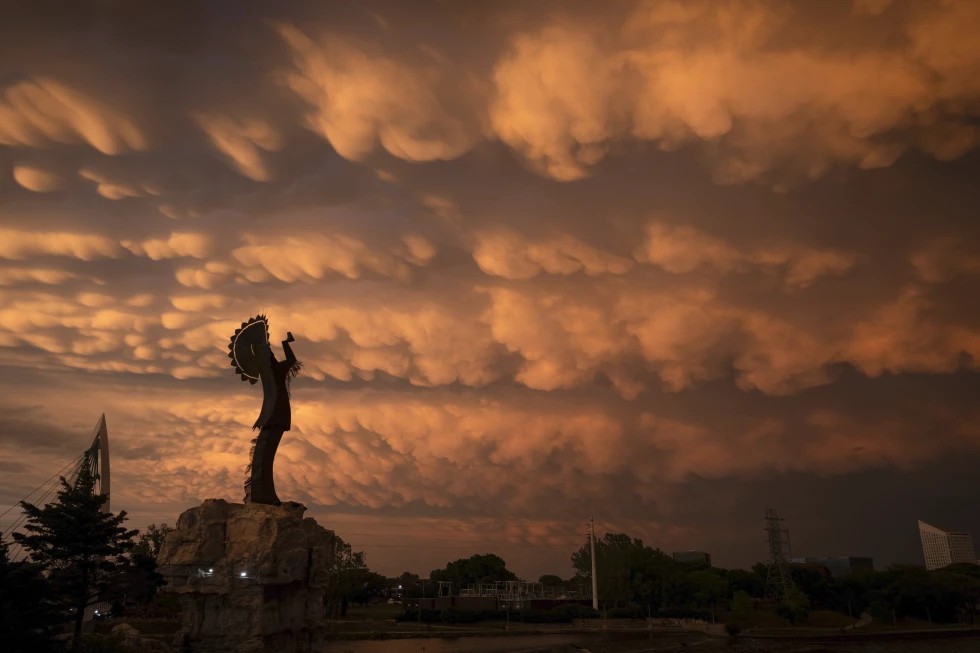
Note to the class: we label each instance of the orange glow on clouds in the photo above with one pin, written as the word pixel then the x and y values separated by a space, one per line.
pixel 639 263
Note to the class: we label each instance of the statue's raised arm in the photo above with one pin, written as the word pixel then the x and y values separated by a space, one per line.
pixel 253 359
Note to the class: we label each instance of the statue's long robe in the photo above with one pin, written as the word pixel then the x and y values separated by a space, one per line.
pixel 276 413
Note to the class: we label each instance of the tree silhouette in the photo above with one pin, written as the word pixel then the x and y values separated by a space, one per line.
pixel 480 568
pixel 29 615
pixel 143 579
pixel 351 581
pixel 81 547
pixel 550 580
pixel 629 572
pixel 151 540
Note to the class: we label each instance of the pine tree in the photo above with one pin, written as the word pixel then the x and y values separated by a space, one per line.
pixel 81 548
pixel 29 614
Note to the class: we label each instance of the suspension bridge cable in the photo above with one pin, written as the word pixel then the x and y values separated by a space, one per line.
pixel 16 549
pixel 57 473
pixel 76 468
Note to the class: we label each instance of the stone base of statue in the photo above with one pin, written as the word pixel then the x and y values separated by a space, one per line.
pixel 250 577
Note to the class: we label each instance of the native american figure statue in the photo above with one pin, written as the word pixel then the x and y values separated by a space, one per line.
pixel 253 359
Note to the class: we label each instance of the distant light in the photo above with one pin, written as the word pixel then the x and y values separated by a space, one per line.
pixel 210 571
pixel 399 587
pixel 243 574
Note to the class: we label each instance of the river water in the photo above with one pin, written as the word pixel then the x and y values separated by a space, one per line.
pixel 576 643
pixel 492 644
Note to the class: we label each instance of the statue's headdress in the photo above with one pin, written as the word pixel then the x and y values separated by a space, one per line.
pixel 247 345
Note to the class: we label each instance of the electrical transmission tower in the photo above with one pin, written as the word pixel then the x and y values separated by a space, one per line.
pixel 778 578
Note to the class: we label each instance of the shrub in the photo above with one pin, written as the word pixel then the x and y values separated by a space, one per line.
pixel 682 613
pixel 879 612
pixel 569 611
pixel 103 643
pixel 427 616
pixel 633 612
pixel 454 616
pixel 794 607
pixel 741 602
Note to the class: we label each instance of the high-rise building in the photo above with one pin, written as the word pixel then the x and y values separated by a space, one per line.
pixel 941 548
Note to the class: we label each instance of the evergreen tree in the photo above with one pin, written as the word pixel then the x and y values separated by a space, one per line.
pixel 81 548
pixel 29 614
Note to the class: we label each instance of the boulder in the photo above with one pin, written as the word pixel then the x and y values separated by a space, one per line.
pixel 133 640
pixel 249 577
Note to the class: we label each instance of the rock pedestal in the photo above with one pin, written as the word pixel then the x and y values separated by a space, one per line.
pixel 250 577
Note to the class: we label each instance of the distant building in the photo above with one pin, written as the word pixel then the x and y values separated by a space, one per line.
pixel 693 558
pixel 838 566
pixel 941 548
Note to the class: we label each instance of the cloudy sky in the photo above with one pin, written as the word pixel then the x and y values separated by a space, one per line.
pixel 667 262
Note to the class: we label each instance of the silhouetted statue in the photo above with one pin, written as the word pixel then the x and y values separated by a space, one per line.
pixel 252 357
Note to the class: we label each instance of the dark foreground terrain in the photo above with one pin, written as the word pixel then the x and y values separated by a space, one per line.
pixel 650 643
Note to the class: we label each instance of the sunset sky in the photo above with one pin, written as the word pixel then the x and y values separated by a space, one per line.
pixel 668 262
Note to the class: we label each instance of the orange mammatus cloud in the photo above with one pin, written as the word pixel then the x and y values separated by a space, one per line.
pixel 33 113
pixel 670 263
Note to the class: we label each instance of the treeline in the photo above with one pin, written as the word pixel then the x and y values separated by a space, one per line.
pixel 636 581
pixel 947 595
